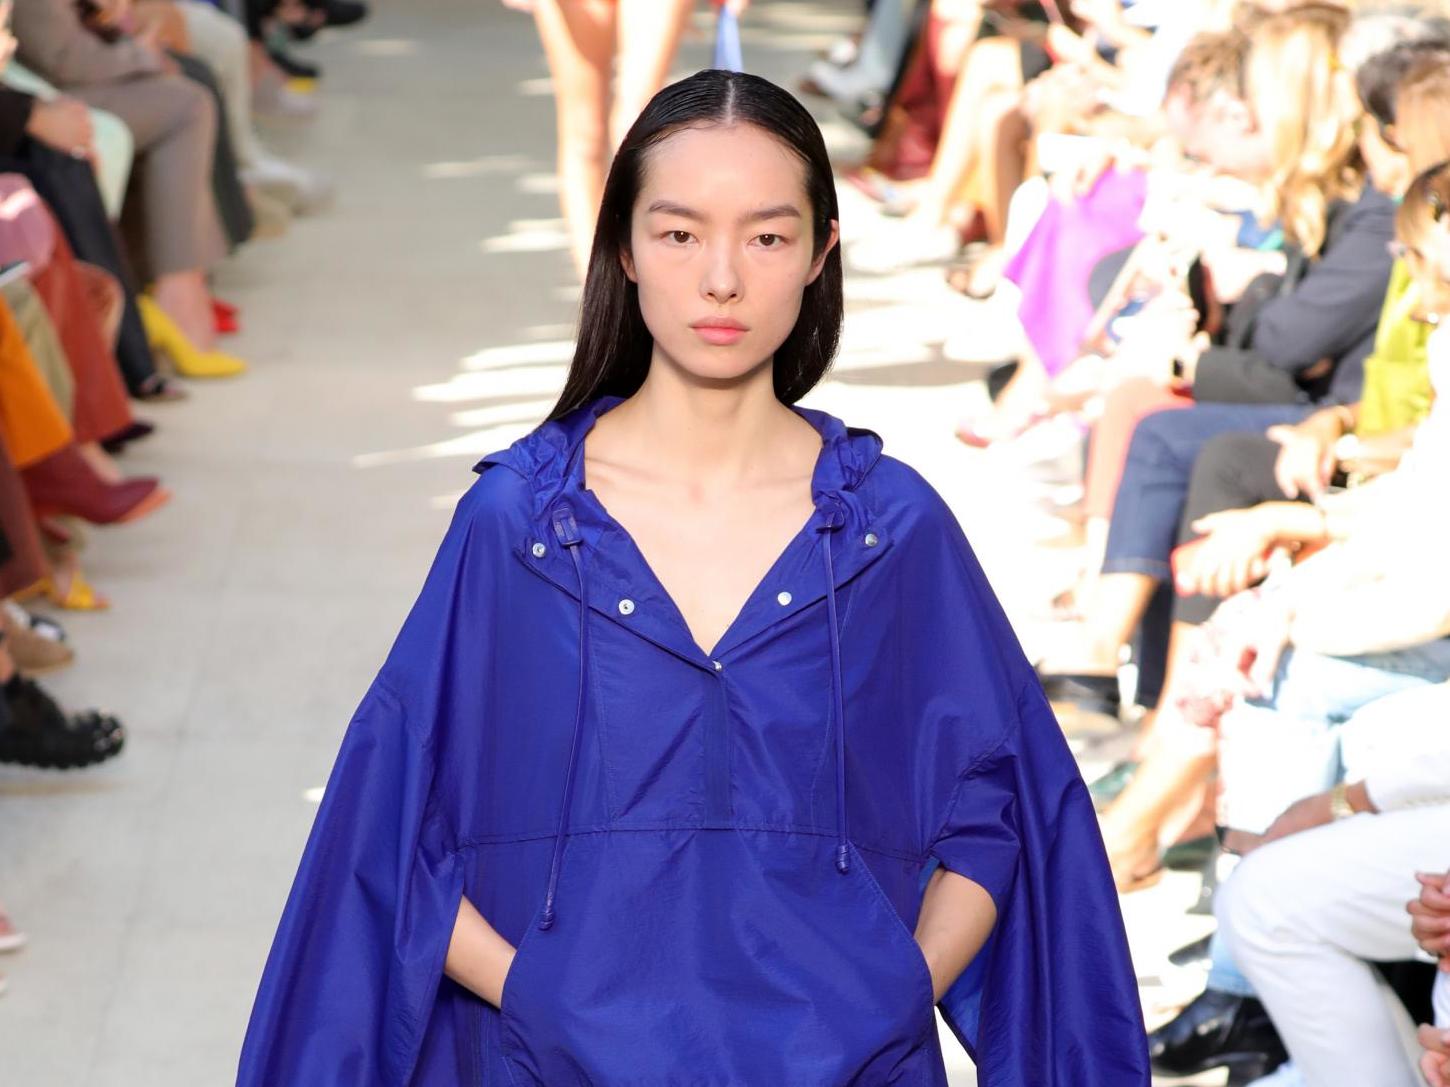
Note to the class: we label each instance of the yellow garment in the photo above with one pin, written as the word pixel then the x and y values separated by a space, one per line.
pixel 1397 391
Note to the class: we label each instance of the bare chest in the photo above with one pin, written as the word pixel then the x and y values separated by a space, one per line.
pixel 709 554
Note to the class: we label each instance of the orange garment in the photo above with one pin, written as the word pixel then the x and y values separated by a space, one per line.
pixel 26 562
pixel 101 406
pixel 32 426
pixel 1108 450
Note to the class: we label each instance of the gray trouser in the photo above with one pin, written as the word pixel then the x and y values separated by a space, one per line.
pixel 174 123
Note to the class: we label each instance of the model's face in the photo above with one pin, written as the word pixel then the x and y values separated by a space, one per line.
pixel 722 230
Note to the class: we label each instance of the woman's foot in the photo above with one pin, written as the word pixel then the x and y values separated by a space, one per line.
pixel 160 388
pixel 979 270
pixel 189 359
pixel 101 463
pixel 33 653
pixel 183 297
pixel 118 441
pixel 995 426
pixel 1135 862
pixel 64 484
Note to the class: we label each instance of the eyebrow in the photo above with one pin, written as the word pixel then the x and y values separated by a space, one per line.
pixel 776 211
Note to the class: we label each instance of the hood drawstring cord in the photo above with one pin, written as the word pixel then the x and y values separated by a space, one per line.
pixel 568 532
pixel 834 518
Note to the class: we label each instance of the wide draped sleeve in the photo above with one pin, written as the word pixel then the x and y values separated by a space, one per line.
pixel 1051 1000
pixel 354 969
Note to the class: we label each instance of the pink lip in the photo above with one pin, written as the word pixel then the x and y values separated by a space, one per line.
pixel 719 334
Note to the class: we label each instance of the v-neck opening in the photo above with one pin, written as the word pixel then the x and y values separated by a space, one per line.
pixel 614 524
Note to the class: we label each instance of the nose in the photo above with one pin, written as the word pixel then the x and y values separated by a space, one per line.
pixel 720 281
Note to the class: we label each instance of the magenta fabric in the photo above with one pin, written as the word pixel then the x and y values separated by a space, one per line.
pixel 1054 263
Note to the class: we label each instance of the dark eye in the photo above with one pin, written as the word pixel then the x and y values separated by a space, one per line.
pixel 774 238
pixel 680 236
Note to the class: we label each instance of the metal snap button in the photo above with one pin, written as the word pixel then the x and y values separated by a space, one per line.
pixel 717 665
pixel 783 597
pixel 872 539
pixel 626 606
pixel 539 550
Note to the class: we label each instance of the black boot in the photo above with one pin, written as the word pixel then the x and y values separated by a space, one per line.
pixel 1214 1031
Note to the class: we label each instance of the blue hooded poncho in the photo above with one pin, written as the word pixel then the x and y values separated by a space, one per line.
pixel 711 863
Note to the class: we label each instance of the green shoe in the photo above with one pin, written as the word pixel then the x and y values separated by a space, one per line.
pixel 1191 855
pixel 1106 788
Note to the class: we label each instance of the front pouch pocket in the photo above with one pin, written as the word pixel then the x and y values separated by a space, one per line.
pixel 718 957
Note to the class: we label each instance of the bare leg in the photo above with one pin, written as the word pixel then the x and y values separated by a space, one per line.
pixel 991 66
pixel 1004 157
pixel 649 35
pixel 1114 610
pixel 184 297
pixel 578 37
pixel 1172 775
pixel 1180 638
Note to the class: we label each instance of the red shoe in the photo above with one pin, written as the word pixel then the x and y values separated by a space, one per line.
pixel 224 316
pixel 63 483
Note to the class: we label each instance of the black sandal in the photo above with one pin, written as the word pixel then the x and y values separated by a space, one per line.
pixel 159 387
pixel 34 731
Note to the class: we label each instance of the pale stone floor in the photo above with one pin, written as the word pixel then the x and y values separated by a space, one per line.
pixel 422 320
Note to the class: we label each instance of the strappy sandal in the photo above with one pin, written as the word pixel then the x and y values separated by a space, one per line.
pixel 80 594
pixel 160 388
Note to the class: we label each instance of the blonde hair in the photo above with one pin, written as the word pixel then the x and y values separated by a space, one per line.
pixel 1422 111
pixel 1305 103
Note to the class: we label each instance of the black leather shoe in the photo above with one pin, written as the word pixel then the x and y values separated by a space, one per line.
pixel 1218 1030
pixel 1192 955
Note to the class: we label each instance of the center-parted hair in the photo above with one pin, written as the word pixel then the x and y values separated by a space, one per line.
pixel 614 346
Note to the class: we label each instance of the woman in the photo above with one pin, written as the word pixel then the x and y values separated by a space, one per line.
pixel 583 40
pixel 566 843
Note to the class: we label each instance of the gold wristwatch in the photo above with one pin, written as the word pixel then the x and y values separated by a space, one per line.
pixel 1339 801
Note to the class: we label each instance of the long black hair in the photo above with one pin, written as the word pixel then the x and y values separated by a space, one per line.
pixel 614 347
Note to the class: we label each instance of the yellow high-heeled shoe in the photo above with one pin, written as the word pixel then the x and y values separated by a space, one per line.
pixel 165 335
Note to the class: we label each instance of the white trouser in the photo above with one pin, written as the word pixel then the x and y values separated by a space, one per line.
pixel 1305 916
pixel 221 41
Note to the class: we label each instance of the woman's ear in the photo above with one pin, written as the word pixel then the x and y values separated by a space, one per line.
pixel 626 261
pixel 820 261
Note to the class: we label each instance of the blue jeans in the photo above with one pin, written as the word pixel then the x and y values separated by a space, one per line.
pixel 1287 744
pixel 1144 526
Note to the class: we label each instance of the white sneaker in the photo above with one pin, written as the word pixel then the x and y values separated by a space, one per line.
pixel 1286 1075
pixel 303 191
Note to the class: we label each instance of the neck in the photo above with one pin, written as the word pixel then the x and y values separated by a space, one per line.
pixel 710 434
